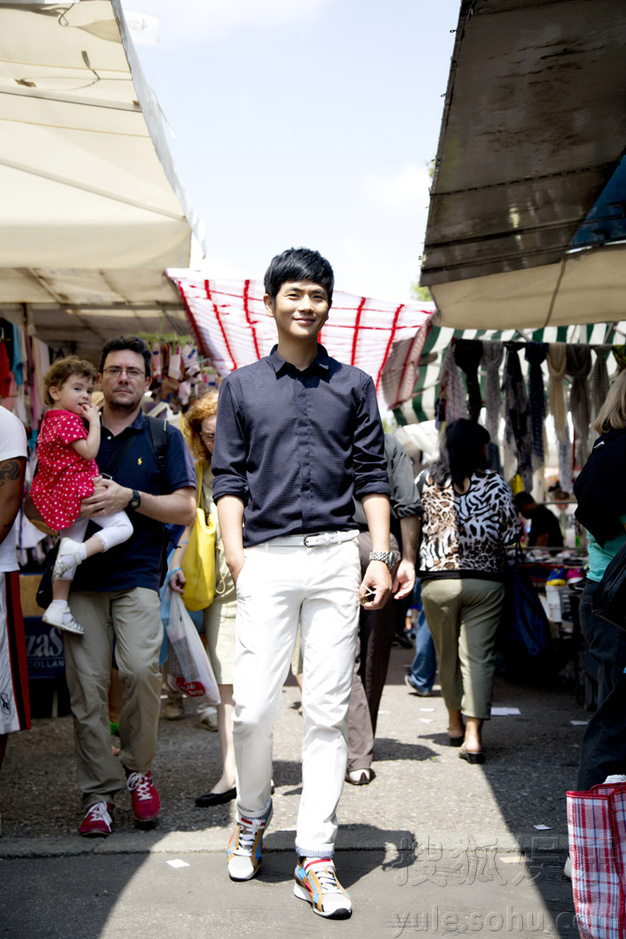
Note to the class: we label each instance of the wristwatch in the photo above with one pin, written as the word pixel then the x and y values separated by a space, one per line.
pixel 135 501
pixel 388 557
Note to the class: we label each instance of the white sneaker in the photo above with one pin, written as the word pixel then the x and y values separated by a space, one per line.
pixel 61 617
pixel 567 869
pixel 316 882
pixel 359 777
pixel 67 560
pixel 245 848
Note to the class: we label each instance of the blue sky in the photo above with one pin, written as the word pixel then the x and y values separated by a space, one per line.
pixel 305 122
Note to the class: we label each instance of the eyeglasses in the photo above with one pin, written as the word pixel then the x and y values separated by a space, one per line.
pixel 133 374
pixel 207 436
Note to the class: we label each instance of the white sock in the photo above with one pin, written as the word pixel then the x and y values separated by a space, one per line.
pixel 59 603
pixel 82 552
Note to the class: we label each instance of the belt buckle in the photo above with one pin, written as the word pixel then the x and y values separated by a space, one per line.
pixel 320 538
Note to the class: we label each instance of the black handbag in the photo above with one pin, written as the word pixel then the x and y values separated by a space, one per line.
pixel 44 590
pixel 609 600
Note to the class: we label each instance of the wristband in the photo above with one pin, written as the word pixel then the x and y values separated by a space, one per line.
pixel 175 571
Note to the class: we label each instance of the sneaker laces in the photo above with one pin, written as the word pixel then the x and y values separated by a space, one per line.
pixel 142 783
pixel 325 873
pixel 248 830
pixel 99 812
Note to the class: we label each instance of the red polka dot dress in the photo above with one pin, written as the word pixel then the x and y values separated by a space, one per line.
pixel 63 478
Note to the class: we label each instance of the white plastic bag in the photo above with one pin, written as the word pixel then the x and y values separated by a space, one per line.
pixel 188 667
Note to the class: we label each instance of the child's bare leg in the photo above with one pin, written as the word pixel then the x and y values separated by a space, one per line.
pixel 61 590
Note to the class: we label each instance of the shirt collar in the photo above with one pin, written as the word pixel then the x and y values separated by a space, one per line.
pixel 137 425
pixel 320 363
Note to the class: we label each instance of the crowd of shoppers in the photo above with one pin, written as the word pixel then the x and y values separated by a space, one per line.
pixel 283 454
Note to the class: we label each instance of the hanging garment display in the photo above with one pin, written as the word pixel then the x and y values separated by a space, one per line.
pixel 467 355
pixel 536 353
pixel 599 382
pixel 452 390
pixel 556 370
pixel 578 366
pixel 517 416
pixel 493 353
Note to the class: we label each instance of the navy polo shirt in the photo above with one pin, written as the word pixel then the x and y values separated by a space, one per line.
pixel 296 446
pixel 137 562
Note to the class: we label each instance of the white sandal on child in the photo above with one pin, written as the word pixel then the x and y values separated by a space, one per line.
pixel 61 617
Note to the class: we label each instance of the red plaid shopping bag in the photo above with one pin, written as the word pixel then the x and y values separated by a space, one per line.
pixel 596 822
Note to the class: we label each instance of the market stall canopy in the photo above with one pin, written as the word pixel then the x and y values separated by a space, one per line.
pixel 92 208
pixel 232 327
pixel 528 190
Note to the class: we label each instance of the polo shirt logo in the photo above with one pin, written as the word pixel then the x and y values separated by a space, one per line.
pixel 139 461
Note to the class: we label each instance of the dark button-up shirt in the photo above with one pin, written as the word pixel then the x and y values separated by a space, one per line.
pixel 296 447
pixel 137 562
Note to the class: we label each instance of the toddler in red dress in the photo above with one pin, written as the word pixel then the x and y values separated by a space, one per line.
pixel 66 471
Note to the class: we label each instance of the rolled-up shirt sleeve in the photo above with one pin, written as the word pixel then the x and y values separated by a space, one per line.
pixel 405 497
pixel 228 462
pixel 370 464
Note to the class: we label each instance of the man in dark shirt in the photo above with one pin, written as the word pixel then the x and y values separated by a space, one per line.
pixel 544 525
pixel 115 594
pixel 299 435
pixel 377 628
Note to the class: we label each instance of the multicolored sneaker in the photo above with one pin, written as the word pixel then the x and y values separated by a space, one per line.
pixel 556 578
pixel 245 847
pixel 316 882
pixel 97 820
pixel 144 796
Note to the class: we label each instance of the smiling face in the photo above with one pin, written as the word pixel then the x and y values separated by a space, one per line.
pixel 73 393
pixel 300 310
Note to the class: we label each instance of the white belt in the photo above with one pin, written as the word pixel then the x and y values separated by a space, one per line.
pixel 313 540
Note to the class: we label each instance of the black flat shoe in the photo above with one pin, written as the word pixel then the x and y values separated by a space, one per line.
pixel 216 798
pixel 455 741
pixel 472 756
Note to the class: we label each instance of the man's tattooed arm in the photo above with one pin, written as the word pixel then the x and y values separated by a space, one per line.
pixel 11 492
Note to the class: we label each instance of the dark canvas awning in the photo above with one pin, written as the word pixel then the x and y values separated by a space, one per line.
pixel 534 128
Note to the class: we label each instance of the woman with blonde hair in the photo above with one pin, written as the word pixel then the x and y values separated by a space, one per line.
pixel 601 493
pixel 219 619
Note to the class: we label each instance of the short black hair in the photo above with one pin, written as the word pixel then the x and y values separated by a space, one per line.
pixel 299 264
pixel 133 344
pixel 522 499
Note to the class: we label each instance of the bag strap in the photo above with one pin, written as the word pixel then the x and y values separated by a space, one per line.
pixel 159 439
pixel 200 488
pixel 119 455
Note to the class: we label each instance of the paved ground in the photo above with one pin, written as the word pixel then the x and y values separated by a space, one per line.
pixel 433 846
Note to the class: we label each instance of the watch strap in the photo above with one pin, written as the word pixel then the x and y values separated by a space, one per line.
pixel 387 557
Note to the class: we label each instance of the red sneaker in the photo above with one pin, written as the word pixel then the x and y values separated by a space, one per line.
pixel 97 820
pixel 146 801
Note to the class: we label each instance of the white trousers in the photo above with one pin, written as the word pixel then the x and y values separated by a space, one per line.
pixel 114 529
pixel 281 586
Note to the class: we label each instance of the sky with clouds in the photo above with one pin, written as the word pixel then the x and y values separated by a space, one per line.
pixel 304 122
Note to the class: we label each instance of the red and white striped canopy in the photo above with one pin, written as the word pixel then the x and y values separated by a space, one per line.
pixel 384 339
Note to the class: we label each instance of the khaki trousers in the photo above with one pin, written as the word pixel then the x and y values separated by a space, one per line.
pixel 463 615
pixel 131 617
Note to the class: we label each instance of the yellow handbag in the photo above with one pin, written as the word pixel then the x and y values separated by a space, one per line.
pixel 198 564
